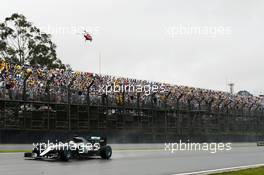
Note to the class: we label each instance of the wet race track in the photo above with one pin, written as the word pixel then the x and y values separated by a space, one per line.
pixel 138 161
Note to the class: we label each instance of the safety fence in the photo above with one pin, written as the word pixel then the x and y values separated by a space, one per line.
pixel 147 121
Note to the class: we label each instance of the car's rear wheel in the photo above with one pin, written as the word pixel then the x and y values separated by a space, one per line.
pixel 65 155
pixel 106 152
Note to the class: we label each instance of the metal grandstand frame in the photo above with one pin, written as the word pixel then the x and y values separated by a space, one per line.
pixel 138 121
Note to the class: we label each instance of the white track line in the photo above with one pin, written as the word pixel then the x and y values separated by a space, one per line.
pixel 221 169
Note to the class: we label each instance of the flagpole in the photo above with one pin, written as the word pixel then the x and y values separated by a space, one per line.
pixel 100 63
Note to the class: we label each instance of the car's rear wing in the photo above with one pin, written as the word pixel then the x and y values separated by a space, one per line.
pixel 97 139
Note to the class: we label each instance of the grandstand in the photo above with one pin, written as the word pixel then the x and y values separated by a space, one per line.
pixel 39 103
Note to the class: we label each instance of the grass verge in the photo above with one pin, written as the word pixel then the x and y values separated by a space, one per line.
pixel 251 171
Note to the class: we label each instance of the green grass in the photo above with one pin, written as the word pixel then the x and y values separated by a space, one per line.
pixel 251 171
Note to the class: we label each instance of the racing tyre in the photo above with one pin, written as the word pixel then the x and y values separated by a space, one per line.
pixel 106 152
pixel 65 155
pixel 27 154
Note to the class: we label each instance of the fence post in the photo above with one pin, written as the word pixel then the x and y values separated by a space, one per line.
pixel 227 128
pixel 138 110
pixel 24 90
pixel 88 101
pixel 179 116
pixel 219 117
pixel 257 121
pixel 69 106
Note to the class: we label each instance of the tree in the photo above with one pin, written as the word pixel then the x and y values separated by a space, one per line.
pixel 23 43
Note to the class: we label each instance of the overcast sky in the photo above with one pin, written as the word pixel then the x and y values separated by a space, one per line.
pixel 149 39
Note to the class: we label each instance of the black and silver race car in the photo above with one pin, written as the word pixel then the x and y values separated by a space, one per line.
pixel 77 147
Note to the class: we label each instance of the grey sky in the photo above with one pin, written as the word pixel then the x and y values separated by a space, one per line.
pixel 134 39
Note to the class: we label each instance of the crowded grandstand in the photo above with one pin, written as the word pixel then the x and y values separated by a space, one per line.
pixel 38 83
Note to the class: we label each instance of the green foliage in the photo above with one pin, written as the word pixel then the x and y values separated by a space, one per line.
pixel 23 43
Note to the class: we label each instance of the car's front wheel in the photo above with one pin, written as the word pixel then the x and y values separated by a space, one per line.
pixel 106 152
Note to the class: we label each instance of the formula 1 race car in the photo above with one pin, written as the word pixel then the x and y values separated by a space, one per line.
pixel 77 147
